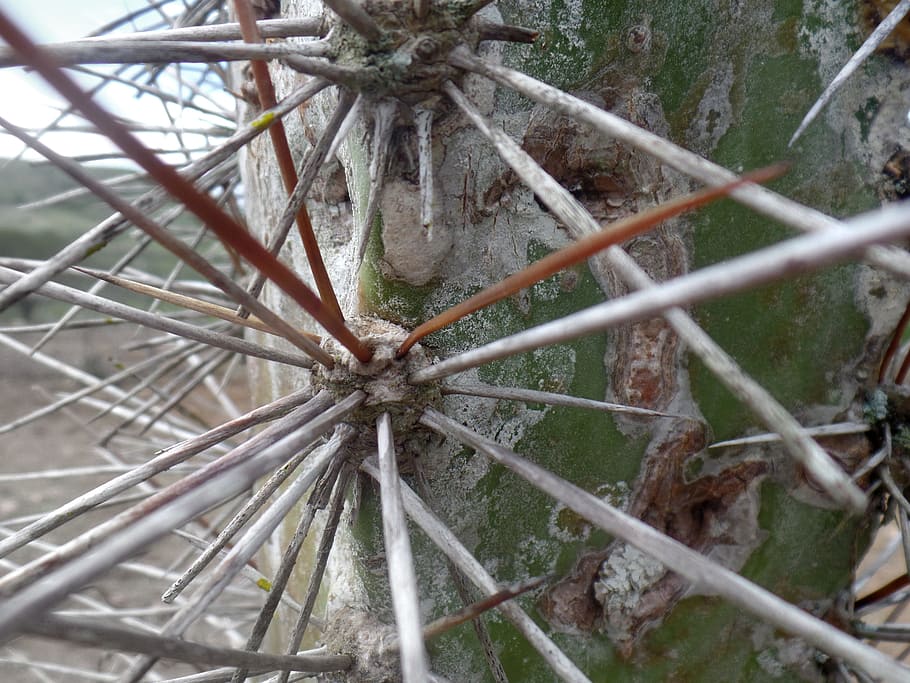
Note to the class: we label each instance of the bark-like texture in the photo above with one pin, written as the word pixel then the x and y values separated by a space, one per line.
pixel 730 81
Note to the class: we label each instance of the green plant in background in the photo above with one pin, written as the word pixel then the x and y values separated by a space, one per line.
pixel 455 173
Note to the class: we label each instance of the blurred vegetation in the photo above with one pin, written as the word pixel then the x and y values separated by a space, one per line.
pixel 38 232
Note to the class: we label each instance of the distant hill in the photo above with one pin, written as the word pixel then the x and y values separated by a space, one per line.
pixel 37 233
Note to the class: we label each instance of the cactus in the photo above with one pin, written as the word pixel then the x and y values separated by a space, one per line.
pixel 447 149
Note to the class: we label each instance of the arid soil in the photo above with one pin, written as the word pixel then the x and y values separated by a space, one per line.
pixel 66 440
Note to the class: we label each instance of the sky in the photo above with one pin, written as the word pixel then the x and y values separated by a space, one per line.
pixel 49 20
pixel 28 102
